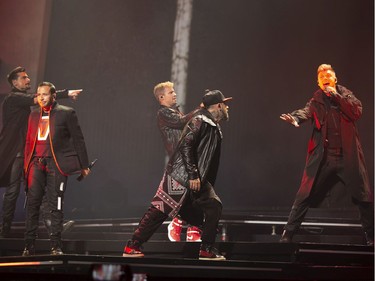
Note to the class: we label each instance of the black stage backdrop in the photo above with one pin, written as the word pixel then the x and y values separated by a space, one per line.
pixel 264 53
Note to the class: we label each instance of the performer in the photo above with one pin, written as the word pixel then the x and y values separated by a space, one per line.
pixel 55 148
pixel 16 110
pixel 334 152
pixel 171 122
pixel 189 179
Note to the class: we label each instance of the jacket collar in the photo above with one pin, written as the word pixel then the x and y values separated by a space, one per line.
pixel 54 104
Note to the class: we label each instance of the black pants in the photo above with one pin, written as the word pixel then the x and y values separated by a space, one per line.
pixel 205 204
pixel 11 193
pixel 329 174
pixel 44 179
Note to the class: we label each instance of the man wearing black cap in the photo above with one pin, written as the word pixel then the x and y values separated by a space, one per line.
pixel 189 179
pixel 16 110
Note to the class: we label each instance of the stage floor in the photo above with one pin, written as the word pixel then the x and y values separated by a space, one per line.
pixel 326 248
pixel 275 262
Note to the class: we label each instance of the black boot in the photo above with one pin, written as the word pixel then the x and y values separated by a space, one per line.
pixel 29 248
pixel 286 237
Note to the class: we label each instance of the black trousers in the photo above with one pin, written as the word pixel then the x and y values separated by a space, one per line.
pixel 12 192
pixel 329 174
pixel 45 180
pixel 191 211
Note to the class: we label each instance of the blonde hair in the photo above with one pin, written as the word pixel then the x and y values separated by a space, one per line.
pixel 159 88
pixel 324 67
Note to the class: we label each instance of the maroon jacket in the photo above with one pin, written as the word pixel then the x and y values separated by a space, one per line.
pixel 355 172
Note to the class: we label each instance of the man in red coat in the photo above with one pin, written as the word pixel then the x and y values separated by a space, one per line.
pixel 334 152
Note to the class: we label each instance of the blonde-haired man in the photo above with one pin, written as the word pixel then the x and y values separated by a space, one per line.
pixel 171 122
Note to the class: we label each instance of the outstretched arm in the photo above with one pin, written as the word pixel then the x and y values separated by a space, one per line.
pixel 290 119
pixel 74 93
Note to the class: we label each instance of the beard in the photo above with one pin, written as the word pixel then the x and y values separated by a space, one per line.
pixel 224 115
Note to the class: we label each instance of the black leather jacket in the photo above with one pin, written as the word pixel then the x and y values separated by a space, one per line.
pixel 198 151
pixel 171 122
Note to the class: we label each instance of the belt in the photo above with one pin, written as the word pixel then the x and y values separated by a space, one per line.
pixel 42 160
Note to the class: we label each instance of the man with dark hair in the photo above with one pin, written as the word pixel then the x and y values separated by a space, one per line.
pixel 171 122
pixel 334 153
pixel 16 110
pixel 54 149
pixel 189 178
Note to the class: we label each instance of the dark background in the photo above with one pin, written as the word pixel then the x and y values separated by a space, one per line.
pixel 264 53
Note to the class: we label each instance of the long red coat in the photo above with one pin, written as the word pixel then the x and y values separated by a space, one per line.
pixel 355 172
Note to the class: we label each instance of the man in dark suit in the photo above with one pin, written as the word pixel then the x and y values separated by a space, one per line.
pixel 54 149
pixel 16 111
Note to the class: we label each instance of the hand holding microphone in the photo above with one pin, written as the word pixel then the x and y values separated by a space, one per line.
pixel 86 172
pixel 330 91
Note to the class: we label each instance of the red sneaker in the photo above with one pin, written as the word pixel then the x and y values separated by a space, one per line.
pixel 132 250
pixel 174 230
pixel 193 234
pixel 208 252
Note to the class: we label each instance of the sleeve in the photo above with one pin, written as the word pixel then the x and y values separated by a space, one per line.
pixel 24 99
pixel 303 114
pixel 188 145
pixel 62 94
pixel 349 105
pixel 78 139
pixel 173 118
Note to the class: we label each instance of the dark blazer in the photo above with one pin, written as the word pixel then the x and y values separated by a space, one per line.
pixel 66 139
pixel 16 111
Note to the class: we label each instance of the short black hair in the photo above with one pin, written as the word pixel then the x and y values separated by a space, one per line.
pixel 13 75
pixel 50 85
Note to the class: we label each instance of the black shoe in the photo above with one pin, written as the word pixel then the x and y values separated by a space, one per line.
pixel 56 251
pixel 208 252
pixel 68 226
pixel 286 237
pixel 28 251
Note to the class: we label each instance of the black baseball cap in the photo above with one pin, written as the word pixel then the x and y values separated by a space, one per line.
pixel 214 97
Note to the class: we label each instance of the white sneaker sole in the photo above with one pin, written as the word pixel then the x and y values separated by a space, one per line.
pixel 213 259
pixel 133 255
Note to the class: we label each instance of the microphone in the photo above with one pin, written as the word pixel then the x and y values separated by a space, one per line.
pixel 330 92
pixel 81 177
